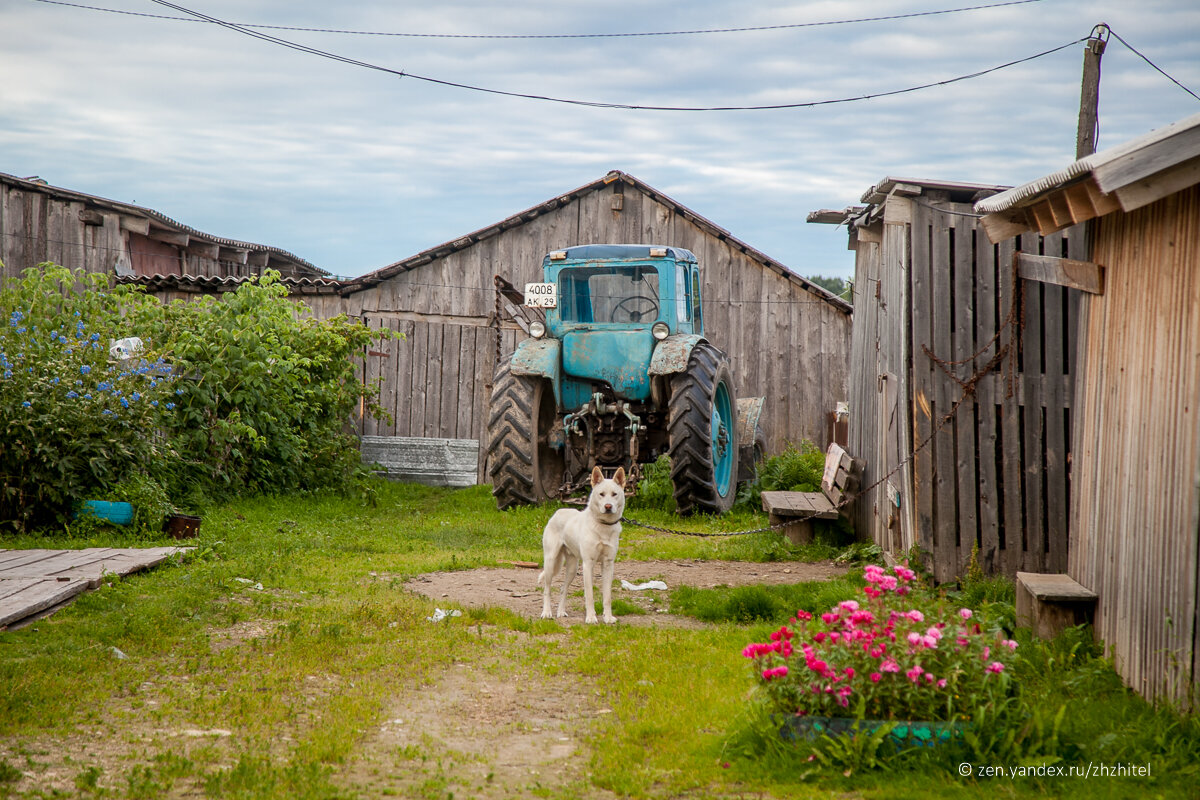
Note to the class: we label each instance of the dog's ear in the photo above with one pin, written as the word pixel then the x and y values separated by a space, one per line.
pixel 597 475
pixel 620 477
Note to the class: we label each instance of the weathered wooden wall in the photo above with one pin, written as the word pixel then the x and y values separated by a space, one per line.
pixel 1136 520
pixel 996 476
pixel 41 223
pixel 35 228
pixel 786 342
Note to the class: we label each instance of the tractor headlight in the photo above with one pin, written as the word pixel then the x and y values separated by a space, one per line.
pixel 537 330
pixel 660 331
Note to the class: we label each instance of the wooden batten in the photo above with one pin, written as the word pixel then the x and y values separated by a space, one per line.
pixel 1083 275
pixel 90 216
pixel 168 237
pixel 209 250
pixel 237 255
pixel 1000 227
pixel 135 225
pixel 259 258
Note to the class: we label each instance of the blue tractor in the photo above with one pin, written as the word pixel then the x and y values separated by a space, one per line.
pixel 619 374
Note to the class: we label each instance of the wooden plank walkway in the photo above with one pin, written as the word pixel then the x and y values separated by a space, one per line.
pixel 32 581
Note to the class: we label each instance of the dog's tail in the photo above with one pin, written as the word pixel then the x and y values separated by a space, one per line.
pixel 541 578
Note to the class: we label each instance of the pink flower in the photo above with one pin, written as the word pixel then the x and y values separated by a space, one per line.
pixel 829 617
pixel 914 639
pixel 935 632
pixel 904 573
pixel 914 674
pixel 848 605
pixel 803 615
pixel 965 613
pixel 887 583
pixel 871 593
pixel 916 616
pixel 889 666
pixel 996 667
pixel 941 684
pixel 875 677
pixel 1009 643
pixel 929 677
pixel 849 672
pixel 929 641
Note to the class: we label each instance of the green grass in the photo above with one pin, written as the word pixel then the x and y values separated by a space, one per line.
pixel 300 672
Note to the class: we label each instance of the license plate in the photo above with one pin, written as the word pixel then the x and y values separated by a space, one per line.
pixel 541 295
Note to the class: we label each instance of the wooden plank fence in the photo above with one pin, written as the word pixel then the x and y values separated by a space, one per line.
pixel 995 476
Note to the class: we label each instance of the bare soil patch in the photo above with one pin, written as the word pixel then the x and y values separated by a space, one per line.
pixel 516 589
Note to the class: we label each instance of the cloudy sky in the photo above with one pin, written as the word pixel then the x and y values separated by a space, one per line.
pixel 353 168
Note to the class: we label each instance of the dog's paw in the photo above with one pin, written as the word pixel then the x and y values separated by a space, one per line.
pixel 590 619
pixel 609 619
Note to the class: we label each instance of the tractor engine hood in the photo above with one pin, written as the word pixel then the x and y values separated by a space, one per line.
pixel 619 357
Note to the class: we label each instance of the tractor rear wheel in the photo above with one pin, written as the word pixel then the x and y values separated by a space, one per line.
pixel 702 433
pixel 524 468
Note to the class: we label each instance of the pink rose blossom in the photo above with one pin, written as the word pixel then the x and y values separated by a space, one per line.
pixel 914 674
pixel 996 667
pixel 965 613
pixel 875 677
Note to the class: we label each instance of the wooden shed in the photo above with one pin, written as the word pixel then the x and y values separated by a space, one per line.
pixel 789 339
pixel 961 382
pixel 1135 490
pixel 40 223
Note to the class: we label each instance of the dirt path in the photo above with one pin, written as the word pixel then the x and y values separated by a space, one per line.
pixel 516 588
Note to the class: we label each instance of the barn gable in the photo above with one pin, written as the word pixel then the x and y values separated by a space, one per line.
pixel 788 338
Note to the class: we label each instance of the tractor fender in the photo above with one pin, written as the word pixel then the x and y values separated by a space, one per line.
pixel 673 352
pixel 752 443
pixel 749 409
pixel 542 358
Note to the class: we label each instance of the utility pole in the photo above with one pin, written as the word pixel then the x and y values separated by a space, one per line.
pixel 1089 98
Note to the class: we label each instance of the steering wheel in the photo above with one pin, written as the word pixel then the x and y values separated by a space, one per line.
pixel 651 309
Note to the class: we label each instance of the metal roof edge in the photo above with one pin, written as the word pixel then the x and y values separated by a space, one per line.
pixel 1026 193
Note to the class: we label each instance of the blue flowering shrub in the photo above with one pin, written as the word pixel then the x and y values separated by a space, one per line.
pixel 73 421
pixel 238 395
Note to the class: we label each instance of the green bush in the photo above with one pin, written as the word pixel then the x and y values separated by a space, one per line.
pixel 73 421
pixel 268 394
pixel 240 395
pixel 796 469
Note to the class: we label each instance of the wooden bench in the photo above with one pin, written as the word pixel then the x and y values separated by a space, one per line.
pixel 1049 604
pixel 840 478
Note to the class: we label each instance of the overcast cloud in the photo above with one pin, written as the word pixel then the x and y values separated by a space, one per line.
pixel 353 169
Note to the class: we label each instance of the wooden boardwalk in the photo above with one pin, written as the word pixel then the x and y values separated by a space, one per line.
pixel 35 582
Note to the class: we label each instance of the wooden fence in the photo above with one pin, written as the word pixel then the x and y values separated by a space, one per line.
pixel 933 306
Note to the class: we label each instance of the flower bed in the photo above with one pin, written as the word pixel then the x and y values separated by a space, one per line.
pixel 901 653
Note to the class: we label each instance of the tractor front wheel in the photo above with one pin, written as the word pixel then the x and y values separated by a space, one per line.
pixel 702 433
pixel 524 468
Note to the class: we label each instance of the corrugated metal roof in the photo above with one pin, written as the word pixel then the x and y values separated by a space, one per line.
pixel 1089 165
pixel 228 283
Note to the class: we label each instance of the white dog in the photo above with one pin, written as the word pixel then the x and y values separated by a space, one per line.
pixel 589 536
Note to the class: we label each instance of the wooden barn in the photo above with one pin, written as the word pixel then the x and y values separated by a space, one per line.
pixel 958 359
pixel 40 223
pixel 1135 489
pixel 789 340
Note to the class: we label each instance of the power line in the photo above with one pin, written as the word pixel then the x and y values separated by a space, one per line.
pixel 1151 63
pixel 590 103
pixel 698 31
